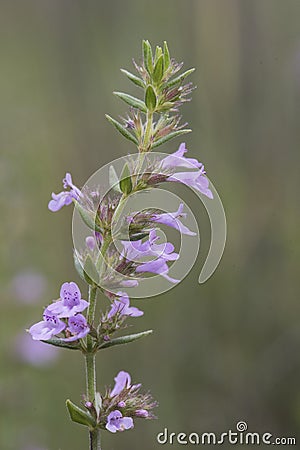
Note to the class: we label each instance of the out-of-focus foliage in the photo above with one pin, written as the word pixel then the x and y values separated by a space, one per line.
pixel 221 352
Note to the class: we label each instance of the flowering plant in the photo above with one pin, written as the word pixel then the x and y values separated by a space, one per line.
pixel 123 249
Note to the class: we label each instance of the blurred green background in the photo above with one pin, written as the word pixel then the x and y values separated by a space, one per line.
pixel 224 351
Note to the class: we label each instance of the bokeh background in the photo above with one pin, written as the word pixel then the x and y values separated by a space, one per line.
pixel 224 351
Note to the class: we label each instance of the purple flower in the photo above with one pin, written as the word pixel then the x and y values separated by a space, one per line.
pixel 116 422
pixel 70 303
pixel 64 198
pixel 177 159
pixel 172 220
pixel 122 381
pixel 121 307
pixel 92 241
pixel 142 413
pixel 158 267
pixel 160 253
pixel 78 326
pixel 196 180
pixel 50 326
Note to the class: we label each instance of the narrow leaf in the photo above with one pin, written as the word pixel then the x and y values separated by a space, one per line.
pixel 125 181
pixel 158 70
pixel 125 339
pixel 147 57
pixel 113 179
pixel 136 80
pixel 90 272
pixel 88 217
pixel 180 78
pixel 132 101
pixel 150 98
pixel 80 416
pixel 122 129
pixel 78 265
pixel 167 58
pixel 158 53
pixel 62 344
pixel 170 136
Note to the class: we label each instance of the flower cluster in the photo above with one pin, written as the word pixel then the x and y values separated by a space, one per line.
pixel 124 403
pixel 142 253
pixel 63 315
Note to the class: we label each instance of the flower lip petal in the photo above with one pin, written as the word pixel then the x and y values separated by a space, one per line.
pixel 122 380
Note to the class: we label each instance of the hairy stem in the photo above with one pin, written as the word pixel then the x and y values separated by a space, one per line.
pixel 147 136
pixel 90 365
pixel 95 443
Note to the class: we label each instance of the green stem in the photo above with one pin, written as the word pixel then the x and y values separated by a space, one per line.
pixel 90 365
pixel 95 443
pixel 147 135
pixel 91 314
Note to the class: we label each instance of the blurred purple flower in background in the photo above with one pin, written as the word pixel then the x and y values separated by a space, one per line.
pixel 28 286
pixel 34 352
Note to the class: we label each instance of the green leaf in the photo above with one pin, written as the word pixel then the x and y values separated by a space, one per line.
pixel 158 53
pixel 167 59
pixel 125 180
pixel 63 344
pixel 90 272
pixel 113 179
pixel 147 57
pixel 88 217
pixel 132 101
pixel 125 339
pixel 169 136
pixel 158 70
pixel 123 130
pixel 98 403
pixel 136 80
pixel 80 416
pixel 150 98
pixel 180 78
pixel 78 265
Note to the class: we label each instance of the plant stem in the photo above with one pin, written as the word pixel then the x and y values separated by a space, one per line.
pixel 90 365
pixel 147 136
pixel 95 443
